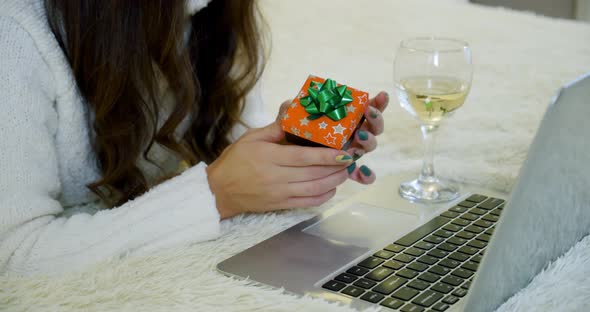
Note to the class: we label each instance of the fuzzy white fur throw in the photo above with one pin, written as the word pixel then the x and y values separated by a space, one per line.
pixel 521 60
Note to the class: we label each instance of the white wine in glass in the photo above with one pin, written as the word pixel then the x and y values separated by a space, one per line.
pixel 433 78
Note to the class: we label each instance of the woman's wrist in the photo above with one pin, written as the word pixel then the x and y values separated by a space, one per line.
pixel 222 207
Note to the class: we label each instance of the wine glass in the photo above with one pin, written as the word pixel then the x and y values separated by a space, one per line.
pixel 432 79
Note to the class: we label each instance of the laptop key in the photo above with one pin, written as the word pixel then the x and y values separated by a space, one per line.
pixel 452 280
pixel 405 293
pixel 476 258
pixel 334 285
pixel 372 297
pixel 452 228
pixel 450 214
pixel 379 274
pixel 465 235
pixel 477 244
pixel 442 288
pixel 404 258
pixel 393 264
pixel 447 247
pixel 394 248
pixel 390 285
pixel 461 222
pixel 460 292
pixel 353 291
pixel 484 237
pixel 468 250
pixel 469 216
pixel 474 229
pixel 496 212
pixel 364 283
pixel 407 273
pixel 470 265
pixel 449 263
pixel 414 252
pixel 466 285
pixel 483 223
pixel 440 307
pixel 438 253
pixel 392 303
pixel 422 231
pixel 440 270
pixel 424 245
pixel 419 284
pixel 417 266
pixel 467 204
pixel 434 239
pixel 456 240
pixel 410 307
pixel 427 298
pixel 346 278
pixel 491 218
pixel 450 299
pixel 430 260
pixel 357 271
pixel 444 233
pixel 384 254
pixel 371 262
pixel 491 203
pixel 462 273
pixel 490 231
pixel 458 209
pixel 429 277
pixel 459 256
pixel 477 211
pixel 476 198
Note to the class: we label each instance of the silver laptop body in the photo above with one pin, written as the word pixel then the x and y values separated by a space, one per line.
pixel 547 212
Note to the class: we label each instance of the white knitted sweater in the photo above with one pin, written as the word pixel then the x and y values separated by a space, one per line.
pixel 49 221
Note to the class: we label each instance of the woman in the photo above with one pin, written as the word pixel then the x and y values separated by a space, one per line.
pixel 105 104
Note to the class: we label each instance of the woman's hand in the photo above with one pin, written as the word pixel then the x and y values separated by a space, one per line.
pixel 365 138
pixel 257 174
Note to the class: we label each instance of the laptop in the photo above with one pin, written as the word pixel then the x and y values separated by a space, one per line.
pixel 378 250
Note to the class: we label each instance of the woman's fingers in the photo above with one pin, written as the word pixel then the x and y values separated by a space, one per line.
pixel 364 140
pixel 318 186
pixel 302 174
pixel 373 121
pixel 362 174
pixel 310 201
pixel 303 156
pixel 283 109
pixel 380 102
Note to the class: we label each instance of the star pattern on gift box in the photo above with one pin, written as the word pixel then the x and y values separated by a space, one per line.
pixel 322 125
pixel 350 109
pixel 338 129
pixel 330 139
pixel 295 130
pixel 301 94
pixel 293 104
pixel 285 116
pixel 353 123
pixel 307 135
pixel 363 99
pixel 344 140
pixel 303 121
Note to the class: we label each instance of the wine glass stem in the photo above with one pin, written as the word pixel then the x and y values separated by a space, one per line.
pixel 427 172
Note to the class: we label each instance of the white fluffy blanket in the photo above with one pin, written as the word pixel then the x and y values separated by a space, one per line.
pixel 521 60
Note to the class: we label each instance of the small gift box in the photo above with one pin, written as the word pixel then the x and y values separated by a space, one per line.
pixel 325 113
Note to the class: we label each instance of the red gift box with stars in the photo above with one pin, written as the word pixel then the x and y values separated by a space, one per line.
pixel 324 113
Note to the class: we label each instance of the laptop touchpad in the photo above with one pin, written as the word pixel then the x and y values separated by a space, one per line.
pixel 363 225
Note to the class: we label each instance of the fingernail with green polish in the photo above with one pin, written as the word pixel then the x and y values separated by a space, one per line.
pixel 343 158
pixel 373 113
pixel 386 96
pixel 366 171
pixel 363 135
pixel 351 168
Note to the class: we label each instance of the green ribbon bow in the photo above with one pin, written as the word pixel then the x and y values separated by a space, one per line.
pixel 326 99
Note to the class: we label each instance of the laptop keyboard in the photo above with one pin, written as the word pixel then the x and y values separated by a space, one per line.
pixel 431 267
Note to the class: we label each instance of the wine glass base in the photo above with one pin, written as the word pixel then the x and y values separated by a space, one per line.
pixel 428 192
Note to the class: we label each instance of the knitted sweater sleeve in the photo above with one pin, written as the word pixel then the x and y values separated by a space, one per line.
pixel 35 236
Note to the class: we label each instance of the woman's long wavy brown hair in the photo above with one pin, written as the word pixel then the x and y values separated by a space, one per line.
pixel 121 50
